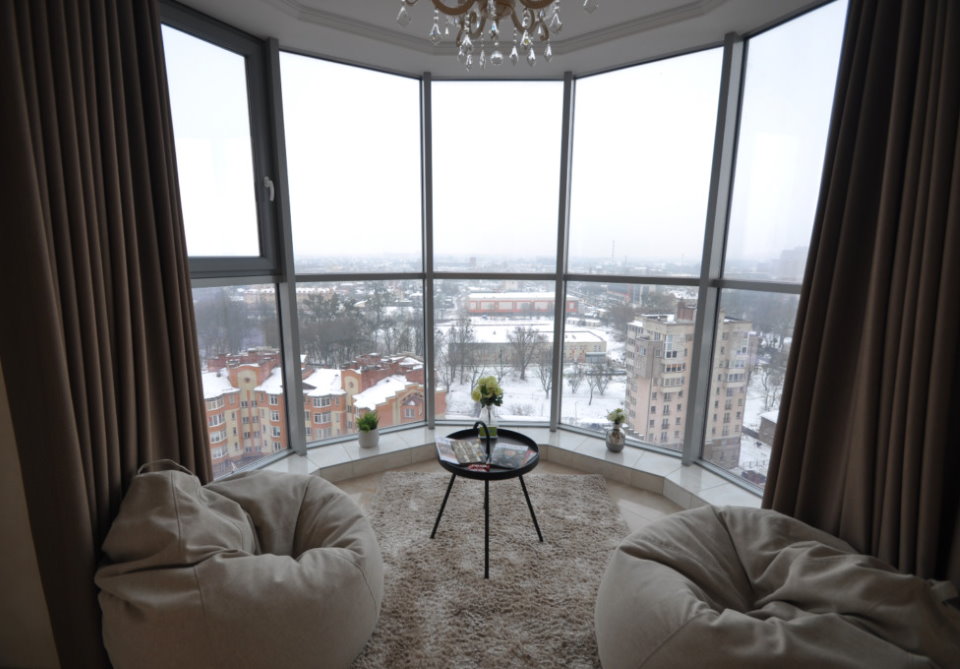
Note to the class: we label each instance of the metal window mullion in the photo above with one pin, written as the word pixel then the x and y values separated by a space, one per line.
pixel 563 228
pixel 287 285
pixel 715 233
pixel 426 190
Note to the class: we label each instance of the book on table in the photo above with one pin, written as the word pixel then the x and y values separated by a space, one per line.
pixel 460 451
pixel 510 456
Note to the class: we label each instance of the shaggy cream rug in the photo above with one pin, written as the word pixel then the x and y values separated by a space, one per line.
pixel 536 610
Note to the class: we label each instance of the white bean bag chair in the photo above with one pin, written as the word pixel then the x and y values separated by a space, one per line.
pixel 738 587
pixel 262 570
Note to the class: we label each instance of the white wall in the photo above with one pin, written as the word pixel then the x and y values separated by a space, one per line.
pixel 26 638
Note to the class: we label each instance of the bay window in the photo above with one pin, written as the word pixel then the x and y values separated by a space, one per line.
pixel 619 236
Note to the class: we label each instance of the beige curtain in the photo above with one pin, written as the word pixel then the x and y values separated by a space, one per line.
pixel 98 337
pixel 868 442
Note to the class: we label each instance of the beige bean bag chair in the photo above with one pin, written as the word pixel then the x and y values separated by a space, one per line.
pixel 262 570
pixel 737 587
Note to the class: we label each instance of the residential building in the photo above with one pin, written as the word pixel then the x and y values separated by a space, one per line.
pixel 658 353
pixel 246 408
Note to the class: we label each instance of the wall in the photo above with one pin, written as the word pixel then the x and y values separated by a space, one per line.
pixel 26 639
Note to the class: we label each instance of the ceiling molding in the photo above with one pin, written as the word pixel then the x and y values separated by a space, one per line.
pixel 327 19
pixel 345 24
pixel 660 19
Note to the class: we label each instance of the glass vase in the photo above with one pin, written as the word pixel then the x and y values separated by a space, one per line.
pixel 489 416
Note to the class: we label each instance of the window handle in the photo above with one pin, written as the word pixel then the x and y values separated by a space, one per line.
pixel 268 184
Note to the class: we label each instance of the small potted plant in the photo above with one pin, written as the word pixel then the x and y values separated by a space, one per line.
pixel 489 394
pixel 616 437
pixel 367 425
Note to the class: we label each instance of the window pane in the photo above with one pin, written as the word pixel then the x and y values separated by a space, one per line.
pixel 211 131
pixel 651 340
pixel 788 96
pixel 643 148
pixel 361 344
pixel 239 341
pixel 749 363
pixel 498 328
pixel 353 159
pixel 495 203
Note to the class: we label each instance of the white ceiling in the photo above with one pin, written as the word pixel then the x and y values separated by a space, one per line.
pixel 620 32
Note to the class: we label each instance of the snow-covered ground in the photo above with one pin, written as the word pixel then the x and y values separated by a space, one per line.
pixel 526 401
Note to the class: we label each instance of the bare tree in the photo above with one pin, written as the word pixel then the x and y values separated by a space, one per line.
pixel 222 322
pixel 502 364
pixel 603 375
pixel 545 369
pixel 525 343
pixel 620 316
pixel 575 377
pixel 659 302
pixel 446 371
pixel 462 338
pixel 771 379
pixel 476 372
pixel 591 380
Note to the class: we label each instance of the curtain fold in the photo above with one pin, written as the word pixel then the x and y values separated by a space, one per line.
pixel 98 349
pixel 867 445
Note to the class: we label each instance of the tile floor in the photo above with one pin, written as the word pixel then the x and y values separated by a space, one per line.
pixel 638 507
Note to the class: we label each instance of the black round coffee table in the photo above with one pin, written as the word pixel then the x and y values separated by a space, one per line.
pixel 527 453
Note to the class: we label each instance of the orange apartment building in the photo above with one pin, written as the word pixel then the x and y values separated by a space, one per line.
pixel 657 355
pixel 245 406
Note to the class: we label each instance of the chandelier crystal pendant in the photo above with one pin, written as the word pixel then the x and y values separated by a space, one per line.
pixel 479 23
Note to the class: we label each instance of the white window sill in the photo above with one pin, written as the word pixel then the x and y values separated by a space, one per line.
pixel 687 486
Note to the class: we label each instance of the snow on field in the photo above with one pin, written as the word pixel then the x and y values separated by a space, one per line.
pixel 526 401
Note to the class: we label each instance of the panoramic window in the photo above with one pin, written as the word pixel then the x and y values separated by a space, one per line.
pixel 749 364
pixel 211 128
pixel 640 179
pixel 643 149
pixel 630 346
pixel 238 337
pixel 788 94
pixel 495 204
pixel 353 160
pixel 787 98
pixel 361 345
pixel 494 328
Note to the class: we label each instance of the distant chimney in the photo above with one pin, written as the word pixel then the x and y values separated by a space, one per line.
pixel 686 311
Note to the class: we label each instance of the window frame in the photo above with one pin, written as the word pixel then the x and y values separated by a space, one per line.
pixel 275 263
pixel 252 50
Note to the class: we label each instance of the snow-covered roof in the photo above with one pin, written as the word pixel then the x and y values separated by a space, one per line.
pixel 216 384
pixel 770 416
pixel 273 384
pixel 380 392
pixel 323 382
pixel 412 363
pixel 320 383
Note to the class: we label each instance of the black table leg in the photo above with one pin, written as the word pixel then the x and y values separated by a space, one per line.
pixel 486 529
pixel 442 506
pixel 530 506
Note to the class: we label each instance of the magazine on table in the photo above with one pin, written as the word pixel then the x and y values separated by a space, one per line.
pixel 510 456
pixel 460 451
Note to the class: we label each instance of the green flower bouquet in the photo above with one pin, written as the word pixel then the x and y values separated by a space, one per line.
pixel 489 394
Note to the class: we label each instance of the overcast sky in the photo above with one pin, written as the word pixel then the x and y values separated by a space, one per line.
pixel 642 152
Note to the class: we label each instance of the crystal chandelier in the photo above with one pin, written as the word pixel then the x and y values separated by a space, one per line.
pixel 478 26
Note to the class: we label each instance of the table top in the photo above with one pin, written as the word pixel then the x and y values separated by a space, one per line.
pixel 527 448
